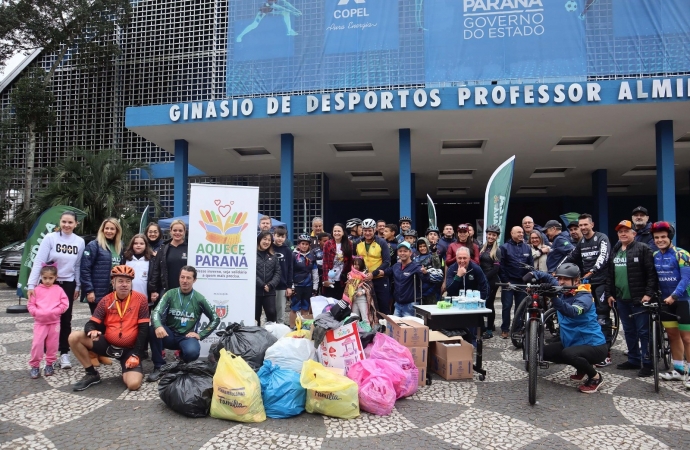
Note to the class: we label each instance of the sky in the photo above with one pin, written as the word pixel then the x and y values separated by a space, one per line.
pixel 11 64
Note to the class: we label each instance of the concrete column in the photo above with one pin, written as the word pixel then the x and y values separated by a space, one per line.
pixel 405 170
pixel 181 187
pixel 600 198
pixel 287 176
pixel 665 172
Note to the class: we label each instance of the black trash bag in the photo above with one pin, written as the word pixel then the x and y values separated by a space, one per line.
pixel 367 337
pixel 250 343
pixel 187 388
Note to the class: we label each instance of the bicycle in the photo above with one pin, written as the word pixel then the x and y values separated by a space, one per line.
pixel 659 347
pixel 517 328
pixel 535 305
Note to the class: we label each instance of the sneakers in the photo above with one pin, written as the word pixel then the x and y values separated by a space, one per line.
pixel 35 372
pixel 673 375
pixel 155 375
pixel 488 334
pixel 65 363
pixel 48 370
pixel 604 363
pixel 645 371
pixel 591 385
pixel 88 380
pixel 577 377
pixel 505 335
pixel 627 366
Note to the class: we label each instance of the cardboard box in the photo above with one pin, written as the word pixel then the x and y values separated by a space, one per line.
pixel 341 348
pixel 450 360
pixel 408 332
pixel 421 379
pixel 420 355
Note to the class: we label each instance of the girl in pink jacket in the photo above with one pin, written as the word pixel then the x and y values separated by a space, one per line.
pixel 46 305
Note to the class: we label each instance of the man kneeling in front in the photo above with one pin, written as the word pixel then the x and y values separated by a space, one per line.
pixel 175 321
pixel 118 329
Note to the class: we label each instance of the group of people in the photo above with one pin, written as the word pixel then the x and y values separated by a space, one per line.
pixel 140 296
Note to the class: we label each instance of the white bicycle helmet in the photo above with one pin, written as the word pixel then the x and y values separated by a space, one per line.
pixel 368 223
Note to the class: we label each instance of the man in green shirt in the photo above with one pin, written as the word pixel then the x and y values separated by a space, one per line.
pixel 174 322
pixel 632 281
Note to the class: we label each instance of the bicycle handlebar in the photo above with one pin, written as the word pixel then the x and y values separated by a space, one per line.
pixel 653 306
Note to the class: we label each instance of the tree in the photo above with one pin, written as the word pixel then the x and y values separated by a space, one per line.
pixel 85 28
pixel 98 183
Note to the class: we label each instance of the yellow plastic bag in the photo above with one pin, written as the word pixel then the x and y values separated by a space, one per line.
pixel 236 391
pixel 328 393
pixel 299 332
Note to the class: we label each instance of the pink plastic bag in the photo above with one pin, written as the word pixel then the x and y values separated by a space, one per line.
pixel 361 371
pixel 377 395
pixel 388 349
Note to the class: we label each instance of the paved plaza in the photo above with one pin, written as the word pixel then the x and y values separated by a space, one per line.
pixel 625 414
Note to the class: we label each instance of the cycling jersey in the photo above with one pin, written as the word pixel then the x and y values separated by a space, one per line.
pixel 592 255
pixel 376 257
pixel 673 269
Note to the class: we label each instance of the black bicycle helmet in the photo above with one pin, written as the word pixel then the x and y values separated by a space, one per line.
pixel 353 223
pixel 568 270
pixel 410 232
pixel 432 230
pixel 404 219
pixel 494 229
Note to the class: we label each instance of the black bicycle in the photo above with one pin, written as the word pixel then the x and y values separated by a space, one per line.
pixel 659 346
pixel 536 303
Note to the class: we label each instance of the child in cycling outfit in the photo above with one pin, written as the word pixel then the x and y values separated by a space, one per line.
pixel 46 305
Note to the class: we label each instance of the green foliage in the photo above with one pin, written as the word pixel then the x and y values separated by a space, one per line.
pixel 88 26
pixel 32 103
pixel 99 184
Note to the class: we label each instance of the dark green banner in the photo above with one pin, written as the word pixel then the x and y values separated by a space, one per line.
pixel 47 222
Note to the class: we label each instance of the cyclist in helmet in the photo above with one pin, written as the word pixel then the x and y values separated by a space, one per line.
pixel 673 268
pixel 490 263
pixel 117 328
pixel 305 278
pixel 582 342
pixel 405 223
pixel 410 236
pixel 374 251
pixel 431 289
pixel 353 227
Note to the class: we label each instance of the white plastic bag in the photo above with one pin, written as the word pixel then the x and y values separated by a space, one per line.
pixel 277 329
pixel 290 353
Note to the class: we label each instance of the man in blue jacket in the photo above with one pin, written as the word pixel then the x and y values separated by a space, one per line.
pixel 408 288
pixel 582 341
pixel 560 245
pixel 516 257
pixel 464 275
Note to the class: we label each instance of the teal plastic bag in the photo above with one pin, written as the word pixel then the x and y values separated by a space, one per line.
pixel 282 393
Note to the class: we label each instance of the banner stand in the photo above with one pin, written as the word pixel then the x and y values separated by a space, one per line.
pixel 222 248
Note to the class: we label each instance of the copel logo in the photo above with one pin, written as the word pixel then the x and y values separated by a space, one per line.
pixel 352 12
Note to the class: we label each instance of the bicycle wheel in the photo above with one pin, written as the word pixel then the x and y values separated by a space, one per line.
pixel 615 326
pixel 552 331
pixel 533 359
pixel 517 326
pixel 654 345
pixel 665 350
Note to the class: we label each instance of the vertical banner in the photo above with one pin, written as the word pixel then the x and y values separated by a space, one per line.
pixel 144 220
pixel 222 248
pixel 497 196
pixel 46 223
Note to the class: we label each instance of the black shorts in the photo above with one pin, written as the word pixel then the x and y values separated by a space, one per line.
pixel 680 308
pixel 100 347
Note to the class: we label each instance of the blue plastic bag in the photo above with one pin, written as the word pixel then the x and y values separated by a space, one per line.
pixel 282 393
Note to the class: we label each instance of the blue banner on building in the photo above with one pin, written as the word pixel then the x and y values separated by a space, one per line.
pixel 283 46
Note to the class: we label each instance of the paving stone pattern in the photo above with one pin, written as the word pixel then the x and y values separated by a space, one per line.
pixel 494 414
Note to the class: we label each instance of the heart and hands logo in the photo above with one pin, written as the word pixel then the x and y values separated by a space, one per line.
pixel 223 226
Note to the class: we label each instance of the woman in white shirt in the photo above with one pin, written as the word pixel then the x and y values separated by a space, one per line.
pixel 138 256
